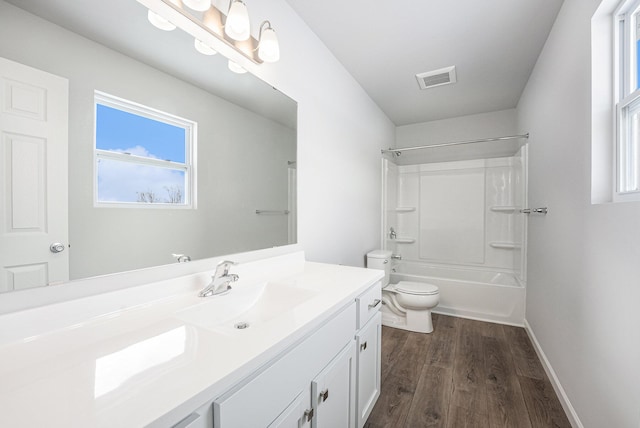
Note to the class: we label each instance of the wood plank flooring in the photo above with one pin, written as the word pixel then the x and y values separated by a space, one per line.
pixel 465 374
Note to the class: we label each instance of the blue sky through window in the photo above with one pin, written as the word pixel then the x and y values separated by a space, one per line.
pixel 143 177
pixel 120 131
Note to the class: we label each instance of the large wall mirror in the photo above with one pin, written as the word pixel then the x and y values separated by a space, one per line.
pixel 244 186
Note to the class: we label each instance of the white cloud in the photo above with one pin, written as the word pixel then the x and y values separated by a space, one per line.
pixel 123 181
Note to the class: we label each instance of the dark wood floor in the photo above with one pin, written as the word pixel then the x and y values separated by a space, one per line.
pixel 464 374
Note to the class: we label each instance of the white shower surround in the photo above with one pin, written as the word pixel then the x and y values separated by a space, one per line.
pixel 459 227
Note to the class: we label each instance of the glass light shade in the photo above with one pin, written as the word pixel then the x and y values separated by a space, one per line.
pixel 203 48
pixel 233 66
pixel 237 26
pixel 268 48
pixel 199 5
pixel 159 22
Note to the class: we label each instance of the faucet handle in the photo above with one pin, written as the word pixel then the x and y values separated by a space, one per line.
pixel 225 265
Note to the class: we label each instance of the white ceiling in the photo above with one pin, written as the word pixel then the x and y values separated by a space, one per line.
pixel 494 45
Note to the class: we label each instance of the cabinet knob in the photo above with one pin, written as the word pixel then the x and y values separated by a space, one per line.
pixel 363 346
pixel 324 395
pixel 308 414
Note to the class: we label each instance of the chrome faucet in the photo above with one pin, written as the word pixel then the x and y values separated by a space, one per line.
pixel 220 281
pixel 181 258
pixel 392 233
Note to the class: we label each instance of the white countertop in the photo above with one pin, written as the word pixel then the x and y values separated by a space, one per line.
pixel 122 359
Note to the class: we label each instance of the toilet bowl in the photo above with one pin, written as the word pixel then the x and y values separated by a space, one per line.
pixel 406 305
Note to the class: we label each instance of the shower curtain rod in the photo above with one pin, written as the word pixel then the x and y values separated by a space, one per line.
pixel 454 143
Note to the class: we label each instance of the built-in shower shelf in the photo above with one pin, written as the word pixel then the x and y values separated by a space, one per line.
pixel 404 240
pixel 505 245
pixel 504 209
pixel 405 209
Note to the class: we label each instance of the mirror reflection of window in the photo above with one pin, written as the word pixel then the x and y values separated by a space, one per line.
pixel 143 156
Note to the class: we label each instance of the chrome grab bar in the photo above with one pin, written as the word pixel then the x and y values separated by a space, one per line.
pixel 285 212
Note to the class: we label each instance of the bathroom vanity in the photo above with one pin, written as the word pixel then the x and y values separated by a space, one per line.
pixel 293 344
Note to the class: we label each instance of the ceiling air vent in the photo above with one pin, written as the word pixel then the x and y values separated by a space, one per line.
pixel 443 76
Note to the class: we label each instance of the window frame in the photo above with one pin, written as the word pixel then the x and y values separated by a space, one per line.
pixel 189 166
pixel 626 28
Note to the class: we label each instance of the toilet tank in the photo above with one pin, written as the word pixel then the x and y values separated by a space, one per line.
pixel 380 259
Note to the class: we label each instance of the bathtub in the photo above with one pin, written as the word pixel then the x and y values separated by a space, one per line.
pixel 476 294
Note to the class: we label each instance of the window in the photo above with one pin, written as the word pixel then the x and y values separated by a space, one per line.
pixel 143 157
pixel 627 159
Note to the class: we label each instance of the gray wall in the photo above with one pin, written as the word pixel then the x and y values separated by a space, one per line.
pixel 242 157
pixel 340 134
pixel 484 125
pixel 583 283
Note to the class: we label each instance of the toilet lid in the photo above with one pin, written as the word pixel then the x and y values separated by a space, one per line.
pixel 416 288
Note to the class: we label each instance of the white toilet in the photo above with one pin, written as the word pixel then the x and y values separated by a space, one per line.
pixel 406 305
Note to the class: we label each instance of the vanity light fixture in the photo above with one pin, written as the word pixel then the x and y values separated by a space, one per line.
pixel 236 68
pixel 238 26
pixel 213 31
pixel 199 5
pixel 203 48
pixel 159 22
pixel 268 47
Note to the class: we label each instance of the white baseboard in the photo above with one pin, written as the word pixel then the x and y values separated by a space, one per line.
pixel 555 382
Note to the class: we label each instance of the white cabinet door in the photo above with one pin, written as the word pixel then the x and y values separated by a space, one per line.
pixel 264 398
pixel 296 415
pixel 33 177
pixel 368 350
pixel 333 392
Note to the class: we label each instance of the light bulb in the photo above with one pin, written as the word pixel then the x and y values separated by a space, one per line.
pixel 237 26
pixel 236 68
pixel 203 48
pixel 159 22
pixel 268 48
pixel 199 5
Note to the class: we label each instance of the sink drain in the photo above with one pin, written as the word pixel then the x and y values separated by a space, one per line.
pixel 241 325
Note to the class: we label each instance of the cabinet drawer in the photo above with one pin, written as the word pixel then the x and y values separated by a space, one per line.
pixel 201 418
pixel 369 304
pixel 263 398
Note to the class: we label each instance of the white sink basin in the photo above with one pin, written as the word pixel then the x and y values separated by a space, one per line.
pixel 245 306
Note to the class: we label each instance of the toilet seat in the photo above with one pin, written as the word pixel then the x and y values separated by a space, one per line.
pixel 417 288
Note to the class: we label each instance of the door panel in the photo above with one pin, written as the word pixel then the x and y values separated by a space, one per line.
pixel 368 344
pixel 294 415
pixel 33 177
pixel 333 392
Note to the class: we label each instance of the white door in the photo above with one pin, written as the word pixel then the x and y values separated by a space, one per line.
pixel 33 177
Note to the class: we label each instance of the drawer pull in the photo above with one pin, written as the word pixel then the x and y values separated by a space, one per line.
pixel 324 395
pixel 363 346
pixel 375 303
pixel 308 414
